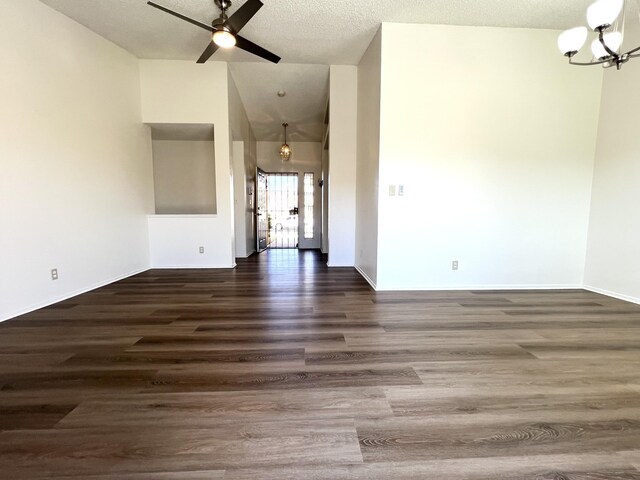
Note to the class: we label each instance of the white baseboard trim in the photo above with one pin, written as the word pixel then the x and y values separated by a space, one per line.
pixel 608 293
pixel 194 267
pixel 67 296
pixel 366 277
pixel 339 265
pixel 436 288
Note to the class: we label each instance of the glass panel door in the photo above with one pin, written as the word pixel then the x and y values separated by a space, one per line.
pixel 282 208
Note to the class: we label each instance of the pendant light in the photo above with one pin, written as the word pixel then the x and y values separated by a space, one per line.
pixel 607 19
pixel 285 149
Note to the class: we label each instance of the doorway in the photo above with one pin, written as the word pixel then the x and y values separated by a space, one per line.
pixel 282 210
pixel 262 229
pixel 277 210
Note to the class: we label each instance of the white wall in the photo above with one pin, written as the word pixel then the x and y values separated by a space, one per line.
pixel 325 201
pixel 343 126
pixel 368 157
pixel 175 241
pixel 184 177
pixel 495 153
pixel 241 203
pixel 244 173
pixel 613 257
pixel 306 157
pixel 183 92
pixel 75 160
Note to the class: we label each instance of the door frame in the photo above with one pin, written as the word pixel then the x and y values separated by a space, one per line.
pixel 257 215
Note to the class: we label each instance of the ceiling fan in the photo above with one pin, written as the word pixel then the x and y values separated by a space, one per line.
pixel 225 29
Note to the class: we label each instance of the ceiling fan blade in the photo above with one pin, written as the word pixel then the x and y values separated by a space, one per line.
pixel 182 17
pixel 240 18
pixel 210 50
pixel 251 47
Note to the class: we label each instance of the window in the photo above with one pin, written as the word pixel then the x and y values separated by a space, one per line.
pixel 308 205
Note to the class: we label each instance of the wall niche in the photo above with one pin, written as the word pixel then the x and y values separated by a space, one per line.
pixel 184 169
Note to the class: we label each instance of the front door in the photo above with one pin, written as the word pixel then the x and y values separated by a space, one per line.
pixel 282 210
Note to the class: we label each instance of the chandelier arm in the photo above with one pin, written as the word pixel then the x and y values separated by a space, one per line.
pixel 588 64
pixel 631 52
pixel 606 47
pixel 634 56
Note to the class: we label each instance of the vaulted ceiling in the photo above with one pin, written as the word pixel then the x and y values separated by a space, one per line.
pixel 302 32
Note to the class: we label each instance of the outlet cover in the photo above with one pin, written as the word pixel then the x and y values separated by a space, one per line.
pixel 201 250
pixel 54 274
pixel 454 265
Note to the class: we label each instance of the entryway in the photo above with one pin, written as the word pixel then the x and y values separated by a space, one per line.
pixel 277 210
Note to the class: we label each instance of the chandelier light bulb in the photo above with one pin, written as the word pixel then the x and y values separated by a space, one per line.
pixel 224 39
pixel 571 41
pixel 604 13
pixel 613 41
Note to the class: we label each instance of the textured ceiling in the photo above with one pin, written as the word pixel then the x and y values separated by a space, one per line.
pixel 303 106
pixel 302 32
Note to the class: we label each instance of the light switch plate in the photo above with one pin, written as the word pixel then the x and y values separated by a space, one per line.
pixel 392 190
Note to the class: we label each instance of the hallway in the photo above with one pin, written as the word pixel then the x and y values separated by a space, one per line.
pixel 285 369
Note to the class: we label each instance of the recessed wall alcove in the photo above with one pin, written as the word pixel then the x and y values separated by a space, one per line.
pixel 184 169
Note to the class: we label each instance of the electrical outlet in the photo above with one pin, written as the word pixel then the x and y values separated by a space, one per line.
pixel 201 250
pixel 392 190
pixel 454 265
pixel 54 274
pixel 401 190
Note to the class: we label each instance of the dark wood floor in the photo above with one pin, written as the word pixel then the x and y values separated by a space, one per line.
pixel 283 369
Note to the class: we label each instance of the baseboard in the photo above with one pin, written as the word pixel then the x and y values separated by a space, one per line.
pixel 248 254
pixel 608 293
pixel 67 296
pixel 366 277
pixel 194 267
pixel 437 288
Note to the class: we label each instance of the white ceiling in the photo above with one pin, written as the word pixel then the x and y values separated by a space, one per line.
pixel 302 32
pixel 303 106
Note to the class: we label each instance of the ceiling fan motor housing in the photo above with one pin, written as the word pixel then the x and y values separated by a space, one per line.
pixel 219 24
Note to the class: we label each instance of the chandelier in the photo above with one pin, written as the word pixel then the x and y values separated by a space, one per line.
pixel 285 149
pixel 607 19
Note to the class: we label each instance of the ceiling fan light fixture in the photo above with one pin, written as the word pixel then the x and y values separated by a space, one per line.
pixel 224 38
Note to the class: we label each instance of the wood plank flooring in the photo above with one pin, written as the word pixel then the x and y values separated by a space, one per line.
pixel 285 369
